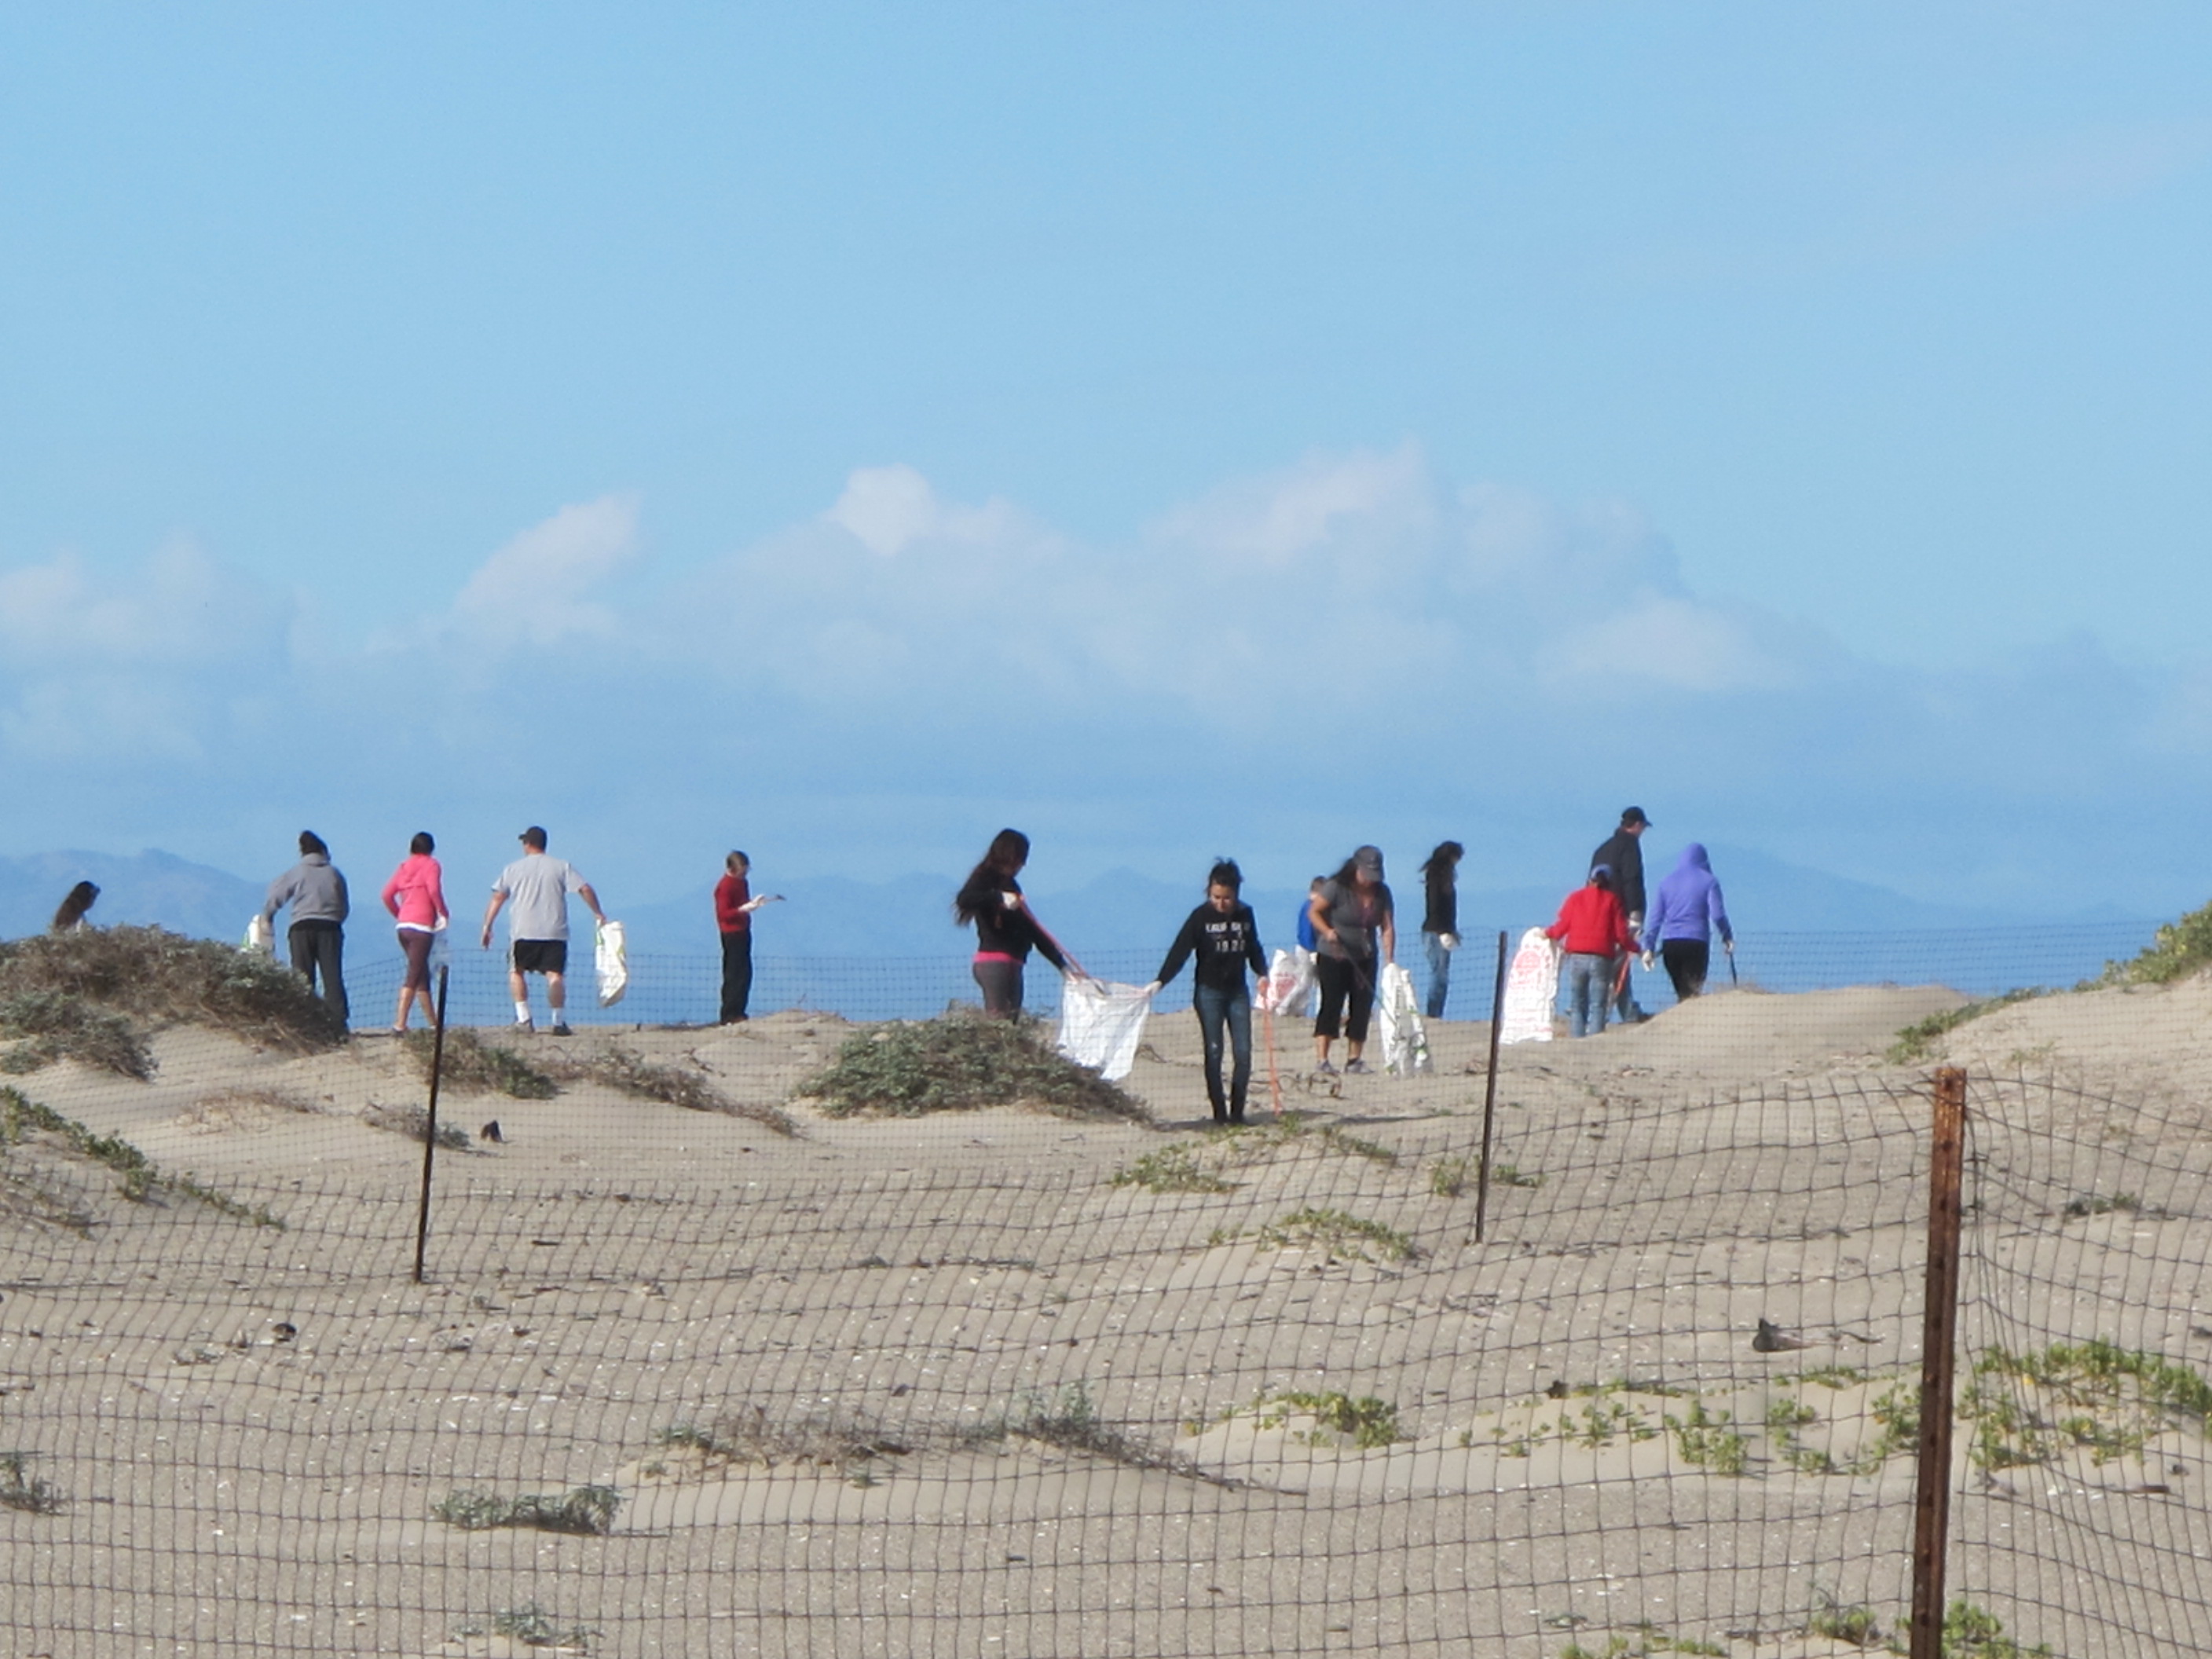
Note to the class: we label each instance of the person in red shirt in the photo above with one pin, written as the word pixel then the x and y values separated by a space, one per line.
pixel 734 905
pixel 1595 933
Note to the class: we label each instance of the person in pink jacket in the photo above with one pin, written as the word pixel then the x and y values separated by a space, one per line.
pixel 417 895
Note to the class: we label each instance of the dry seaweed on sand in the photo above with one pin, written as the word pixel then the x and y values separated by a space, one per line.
pixel 962 1061
pixel 153 978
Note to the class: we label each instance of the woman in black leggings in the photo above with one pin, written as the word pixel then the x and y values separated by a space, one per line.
pixel 1351 914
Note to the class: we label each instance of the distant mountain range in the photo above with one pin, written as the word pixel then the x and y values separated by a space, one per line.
pixel 1119 912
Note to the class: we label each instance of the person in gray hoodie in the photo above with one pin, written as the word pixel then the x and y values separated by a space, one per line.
pixel 317 893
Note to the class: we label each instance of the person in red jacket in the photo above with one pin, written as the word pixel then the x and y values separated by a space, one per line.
pixel 1595 933
pixel 734 905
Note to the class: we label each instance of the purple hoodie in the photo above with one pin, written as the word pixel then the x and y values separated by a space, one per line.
pixel 1688 904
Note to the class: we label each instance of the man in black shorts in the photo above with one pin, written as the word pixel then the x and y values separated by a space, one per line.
pixel 537 925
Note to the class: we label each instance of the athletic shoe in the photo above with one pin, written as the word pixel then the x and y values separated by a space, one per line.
pixel 525 1024
pixel 560 1029
pixel 1324 1069
pixel 1355 1068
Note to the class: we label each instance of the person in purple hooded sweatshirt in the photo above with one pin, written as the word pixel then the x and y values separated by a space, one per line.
pixel 1683 914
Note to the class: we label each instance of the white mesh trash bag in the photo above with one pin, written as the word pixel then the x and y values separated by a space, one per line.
pixel 1405 1040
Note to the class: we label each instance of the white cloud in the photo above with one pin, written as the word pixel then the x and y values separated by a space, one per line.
pixel 1667 642
pixel 538 588
pixel 1321 639
pixel 889 508
pixel 1364 499
pixel 178 609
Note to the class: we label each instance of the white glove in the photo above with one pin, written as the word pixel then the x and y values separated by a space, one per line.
pixel 1011 901
pixel 1449 941
pixel 1152 989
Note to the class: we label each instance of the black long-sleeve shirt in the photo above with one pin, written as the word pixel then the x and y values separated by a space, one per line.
pixel 1223 943
pixel 1441 881
pixel 1005 931
pixel 1621 855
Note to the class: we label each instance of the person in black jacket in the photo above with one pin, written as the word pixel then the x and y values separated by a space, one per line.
pixel 1006 929
pixel 1440 919
pixel 1223 936
pixel 1622 855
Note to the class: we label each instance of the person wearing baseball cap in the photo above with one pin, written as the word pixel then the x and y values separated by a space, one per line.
pixel 1623 859
pixel 1353 914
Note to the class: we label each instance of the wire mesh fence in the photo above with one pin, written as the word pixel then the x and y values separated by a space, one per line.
pixel 995 1383
pixel 675 988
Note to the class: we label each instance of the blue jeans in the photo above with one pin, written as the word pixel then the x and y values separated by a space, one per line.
pixel 1439 973
pixel 1231 1010
pixel 1590 989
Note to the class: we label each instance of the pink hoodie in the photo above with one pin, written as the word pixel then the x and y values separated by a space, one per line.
pixel 417 894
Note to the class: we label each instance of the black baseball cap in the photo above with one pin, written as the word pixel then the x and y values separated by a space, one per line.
pixel 533 837
pixel 1634 815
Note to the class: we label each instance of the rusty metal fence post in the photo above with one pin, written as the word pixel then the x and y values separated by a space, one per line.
pixel 1490 1092
pixel 1931 1518
pixel 430 1127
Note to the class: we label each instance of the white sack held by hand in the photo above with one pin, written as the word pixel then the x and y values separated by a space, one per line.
pixel 1101 1025
pixel 612 956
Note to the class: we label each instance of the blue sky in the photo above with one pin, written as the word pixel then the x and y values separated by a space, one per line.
pixel 843 430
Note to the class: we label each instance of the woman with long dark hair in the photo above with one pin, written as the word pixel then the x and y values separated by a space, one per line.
pixel 415 896
pixel 1224 937
pixel 1356 921
pixel 1440 919
pixel 70 916
pixel 1006 930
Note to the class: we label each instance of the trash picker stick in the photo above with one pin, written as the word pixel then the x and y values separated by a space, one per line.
pixel 1274 1077
pixel 1490 1092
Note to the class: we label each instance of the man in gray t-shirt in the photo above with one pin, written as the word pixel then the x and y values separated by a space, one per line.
pixel 538 887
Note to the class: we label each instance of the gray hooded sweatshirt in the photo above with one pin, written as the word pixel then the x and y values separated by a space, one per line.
pixel 315 890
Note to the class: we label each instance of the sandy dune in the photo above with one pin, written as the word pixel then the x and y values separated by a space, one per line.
pixel 942 1387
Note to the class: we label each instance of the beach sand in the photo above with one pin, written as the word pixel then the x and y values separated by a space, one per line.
pixel 941 1386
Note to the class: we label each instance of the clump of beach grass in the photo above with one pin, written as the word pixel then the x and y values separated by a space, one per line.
pixel 1916 1042
pixel 22 1490
pixel 2177 950
pixel 1337 1232
pixel 583 1509
pixel 472 1066
pixel 961 1061
pixel 151 978
pixel 141 1179
pixel 629 1073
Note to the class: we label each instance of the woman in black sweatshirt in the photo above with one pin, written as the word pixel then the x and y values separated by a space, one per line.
pixel 1005 930
pixel 1223 935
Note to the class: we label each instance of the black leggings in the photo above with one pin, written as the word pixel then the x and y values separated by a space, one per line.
pixel 1340 981
pixel 1687 961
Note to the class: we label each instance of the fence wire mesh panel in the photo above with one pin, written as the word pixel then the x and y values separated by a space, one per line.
pixel 2086 1326
pixel 704 1366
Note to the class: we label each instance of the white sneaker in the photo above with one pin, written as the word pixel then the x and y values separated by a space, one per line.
pixel 525 1024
